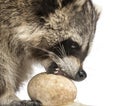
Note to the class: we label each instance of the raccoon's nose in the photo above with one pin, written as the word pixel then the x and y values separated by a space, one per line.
pixel 81 75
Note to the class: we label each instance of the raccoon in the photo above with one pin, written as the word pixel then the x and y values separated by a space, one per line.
pixel 55 33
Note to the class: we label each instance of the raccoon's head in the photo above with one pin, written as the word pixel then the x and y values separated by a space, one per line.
pixel 69 28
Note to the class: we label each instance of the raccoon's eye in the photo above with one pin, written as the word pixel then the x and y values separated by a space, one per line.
pixel 74 46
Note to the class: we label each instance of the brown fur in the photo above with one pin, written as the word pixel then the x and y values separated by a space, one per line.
pixel 28 25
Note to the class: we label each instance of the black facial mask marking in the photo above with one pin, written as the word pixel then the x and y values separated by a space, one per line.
pixel 66 48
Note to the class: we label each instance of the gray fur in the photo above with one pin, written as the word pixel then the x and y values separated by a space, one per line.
pixel 28 28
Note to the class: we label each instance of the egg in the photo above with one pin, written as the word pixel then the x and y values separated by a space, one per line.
pixel 52 90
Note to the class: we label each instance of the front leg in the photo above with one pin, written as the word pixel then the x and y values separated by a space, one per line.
pixel 7 94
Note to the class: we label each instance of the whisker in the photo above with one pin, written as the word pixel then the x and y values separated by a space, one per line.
pixel 52 55
pixel 64 51
pixel 59 51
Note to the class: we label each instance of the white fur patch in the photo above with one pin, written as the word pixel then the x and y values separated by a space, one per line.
pixel 77 38
pixel 27 33
pixel 23 32
pixel 98 9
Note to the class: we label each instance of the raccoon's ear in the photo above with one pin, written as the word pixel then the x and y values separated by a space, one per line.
pixel 93 8
pixel 71 7
pixel 76 6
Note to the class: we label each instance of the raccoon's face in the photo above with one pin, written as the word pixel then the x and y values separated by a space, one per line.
pixel 73 29
pixel 68 60
pixel 69 27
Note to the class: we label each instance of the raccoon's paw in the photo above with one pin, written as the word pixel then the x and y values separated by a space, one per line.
pixel 26 103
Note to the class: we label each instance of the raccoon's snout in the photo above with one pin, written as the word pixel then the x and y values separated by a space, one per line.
pixel 81 75
pixel 54 69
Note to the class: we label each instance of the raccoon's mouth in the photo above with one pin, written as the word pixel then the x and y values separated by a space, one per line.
pixel 58 71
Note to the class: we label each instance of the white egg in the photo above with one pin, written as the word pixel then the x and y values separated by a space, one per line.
pixel 52 90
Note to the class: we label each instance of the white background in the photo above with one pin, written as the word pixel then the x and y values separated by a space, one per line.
pixel 102 86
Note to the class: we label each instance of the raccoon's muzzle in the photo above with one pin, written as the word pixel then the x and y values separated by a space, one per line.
pixel 54 69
